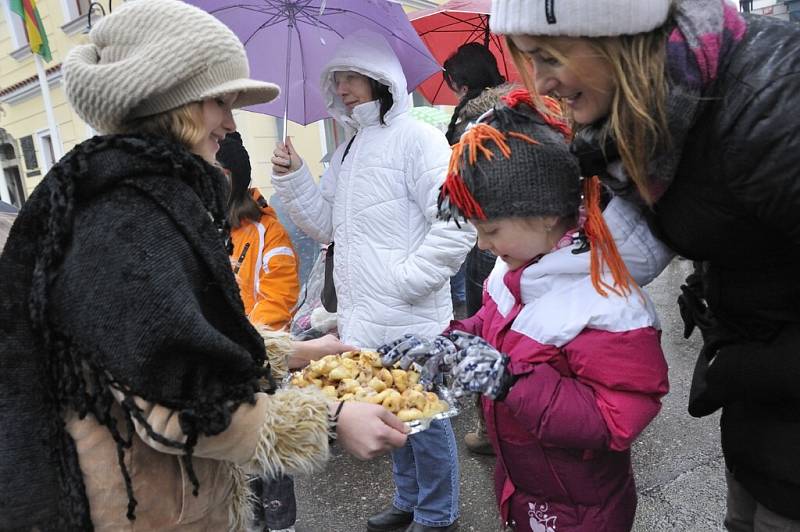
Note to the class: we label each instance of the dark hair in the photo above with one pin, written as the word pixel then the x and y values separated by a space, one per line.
pixel 381 93
pixel 233 157
pixel 472 66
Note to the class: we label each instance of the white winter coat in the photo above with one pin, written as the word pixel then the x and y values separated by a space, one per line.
pixel 393 258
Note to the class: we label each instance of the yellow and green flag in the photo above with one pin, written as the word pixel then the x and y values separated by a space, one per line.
pixel 33 26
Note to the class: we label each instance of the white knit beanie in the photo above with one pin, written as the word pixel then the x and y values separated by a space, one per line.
pixel 151 56
pixel 577 18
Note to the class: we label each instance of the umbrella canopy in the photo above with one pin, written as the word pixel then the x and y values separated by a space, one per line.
pixel 448 26
pixel 288 42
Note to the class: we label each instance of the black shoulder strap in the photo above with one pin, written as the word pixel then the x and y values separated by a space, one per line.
pixel 347 149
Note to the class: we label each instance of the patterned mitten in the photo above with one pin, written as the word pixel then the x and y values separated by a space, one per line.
pixel 479 368
pixel 427 353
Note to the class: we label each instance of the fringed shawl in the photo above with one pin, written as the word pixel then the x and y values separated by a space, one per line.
pixel 115 274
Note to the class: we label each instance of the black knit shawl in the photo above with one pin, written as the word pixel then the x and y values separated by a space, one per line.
pixel 115 272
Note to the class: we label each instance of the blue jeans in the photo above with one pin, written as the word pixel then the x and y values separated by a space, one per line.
pixel 458 285
pixel 426 475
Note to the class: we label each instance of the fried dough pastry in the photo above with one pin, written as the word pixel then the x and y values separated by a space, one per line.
pixel 358 376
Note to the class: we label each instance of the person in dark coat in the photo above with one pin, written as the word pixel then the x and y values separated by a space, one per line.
pixel 472 74
pixel 688 106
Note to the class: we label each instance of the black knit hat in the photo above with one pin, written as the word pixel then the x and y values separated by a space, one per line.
pixel 514 162
pixel 233 156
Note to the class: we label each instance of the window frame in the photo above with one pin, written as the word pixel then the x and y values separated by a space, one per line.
pixel 19 36
pixel 47 158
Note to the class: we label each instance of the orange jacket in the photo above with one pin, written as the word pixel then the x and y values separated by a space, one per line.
pixel 268 278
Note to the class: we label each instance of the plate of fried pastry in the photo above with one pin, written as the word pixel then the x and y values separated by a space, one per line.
pixel 360 376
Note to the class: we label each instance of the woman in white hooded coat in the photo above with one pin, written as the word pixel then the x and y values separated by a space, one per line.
pixel 394 259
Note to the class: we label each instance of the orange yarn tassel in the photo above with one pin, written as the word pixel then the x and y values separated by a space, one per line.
pixel 553 115
pixel 455 188
pixel 603 247
pixel 474 140
pixel 518 96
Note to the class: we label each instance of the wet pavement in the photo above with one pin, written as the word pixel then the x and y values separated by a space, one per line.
pixel 677 460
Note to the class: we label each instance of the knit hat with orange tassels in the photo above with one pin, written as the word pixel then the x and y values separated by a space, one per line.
pixel 512 163
pixel 515 162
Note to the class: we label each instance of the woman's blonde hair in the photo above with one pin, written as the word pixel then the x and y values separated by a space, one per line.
pixel 182 124
pixel 638 118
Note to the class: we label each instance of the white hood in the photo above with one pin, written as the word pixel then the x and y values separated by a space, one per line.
pixel 369 54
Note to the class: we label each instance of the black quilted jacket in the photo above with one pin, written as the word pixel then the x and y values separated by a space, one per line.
pixel 734 206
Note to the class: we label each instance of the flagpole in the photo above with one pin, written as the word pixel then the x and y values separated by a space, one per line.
pixel 55 138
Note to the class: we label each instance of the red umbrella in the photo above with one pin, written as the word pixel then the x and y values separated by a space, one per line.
pixel 448 26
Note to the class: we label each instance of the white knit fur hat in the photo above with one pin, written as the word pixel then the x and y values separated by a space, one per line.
pixel 151 56
pixel 577 18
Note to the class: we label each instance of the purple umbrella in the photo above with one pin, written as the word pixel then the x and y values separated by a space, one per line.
pixel 288 42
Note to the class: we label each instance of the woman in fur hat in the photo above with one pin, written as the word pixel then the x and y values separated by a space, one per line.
pixel 131 375
pixel 685 106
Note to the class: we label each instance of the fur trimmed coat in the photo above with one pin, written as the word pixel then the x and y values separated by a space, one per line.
pixel 130 392
pixel 281 433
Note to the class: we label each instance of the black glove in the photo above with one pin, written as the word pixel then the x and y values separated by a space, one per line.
pixel 704 399
pixel 479 368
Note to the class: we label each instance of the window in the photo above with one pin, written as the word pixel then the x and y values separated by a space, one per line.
pixel 15 27
pixel 46 149
pixel 83 6
pixel 29 154
pixel 11 190
pixel 75 8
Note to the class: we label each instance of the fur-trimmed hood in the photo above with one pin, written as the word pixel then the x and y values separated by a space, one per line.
pixel 484 101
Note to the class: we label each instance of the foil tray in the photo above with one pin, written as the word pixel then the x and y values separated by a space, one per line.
pixel 418 425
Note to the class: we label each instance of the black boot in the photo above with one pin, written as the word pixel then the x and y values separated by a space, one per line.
pixel 390 519
pixel 417 527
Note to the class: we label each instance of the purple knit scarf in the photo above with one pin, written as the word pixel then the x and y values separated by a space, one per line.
pixel 704 33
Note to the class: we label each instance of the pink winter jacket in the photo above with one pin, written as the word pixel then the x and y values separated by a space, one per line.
pixel 591 375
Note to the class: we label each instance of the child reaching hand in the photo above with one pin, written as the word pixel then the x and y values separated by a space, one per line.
pixel 566 347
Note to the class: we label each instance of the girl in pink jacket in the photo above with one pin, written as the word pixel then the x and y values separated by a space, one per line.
pixel 566 348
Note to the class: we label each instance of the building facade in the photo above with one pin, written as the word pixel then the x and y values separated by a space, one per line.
pixel 27 146
pixel 782 9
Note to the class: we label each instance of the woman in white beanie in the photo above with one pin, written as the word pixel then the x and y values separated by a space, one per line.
pixel 130 390
pixel 684 106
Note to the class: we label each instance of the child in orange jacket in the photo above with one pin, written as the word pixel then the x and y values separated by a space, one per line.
pixel 264 259
pixel 266 269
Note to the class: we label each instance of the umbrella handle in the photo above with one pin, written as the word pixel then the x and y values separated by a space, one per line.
pixel 289 28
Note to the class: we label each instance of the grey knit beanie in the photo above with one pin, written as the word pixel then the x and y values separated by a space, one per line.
pixel 151 56
pixel 577 18
pixel 538 178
